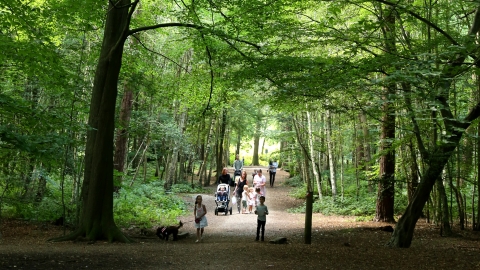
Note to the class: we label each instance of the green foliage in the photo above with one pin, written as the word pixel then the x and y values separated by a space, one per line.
pixel 187 188
pixel 295 181
pixel 364 206
pixel 299 192
pixel 30 207
pixel 147 205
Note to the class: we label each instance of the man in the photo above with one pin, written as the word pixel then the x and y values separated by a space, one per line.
pixel 273 171
pixel 224 178
pixel 238 166
pixel 259 181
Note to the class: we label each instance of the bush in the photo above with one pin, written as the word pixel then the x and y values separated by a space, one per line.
pixel 147 205
pixel 295 181
pixel 187 188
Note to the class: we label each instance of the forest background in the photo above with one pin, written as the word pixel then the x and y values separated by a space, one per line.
pixel 374 105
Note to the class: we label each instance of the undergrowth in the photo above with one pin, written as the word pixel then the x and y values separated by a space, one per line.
pixel 144 205
pixel 148 205
pixel 362 206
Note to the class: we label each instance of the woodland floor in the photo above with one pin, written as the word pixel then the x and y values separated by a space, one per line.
pixel 337 243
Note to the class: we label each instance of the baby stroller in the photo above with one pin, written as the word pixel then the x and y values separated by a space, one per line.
pixel 222 199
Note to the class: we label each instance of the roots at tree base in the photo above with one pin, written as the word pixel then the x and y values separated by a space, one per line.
pixel 112 234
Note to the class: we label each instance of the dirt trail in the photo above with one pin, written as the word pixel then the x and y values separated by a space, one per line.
pixel 242 227
pixel 337 243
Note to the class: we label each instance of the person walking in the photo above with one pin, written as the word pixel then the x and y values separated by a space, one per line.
pixel 261 211
pixel 200 218
pixel 225 178
pixel 238 166
pixel 241 182
pixel 259 182
pixel 272 169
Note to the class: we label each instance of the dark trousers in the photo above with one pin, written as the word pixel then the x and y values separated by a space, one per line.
pixel 272 178
pixel 260 224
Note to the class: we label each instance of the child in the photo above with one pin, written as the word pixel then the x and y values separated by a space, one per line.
pixel 258 194
pixel 251 199
pixel 222 194
pixel 245 197
pixel 261 211
pixel 200 218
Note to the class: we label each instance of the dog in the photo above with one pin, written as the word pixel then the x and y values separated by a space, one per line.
pixel 165 232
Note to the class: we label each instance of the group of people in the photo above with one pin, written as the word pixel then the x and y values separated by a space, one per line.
pixel 246 196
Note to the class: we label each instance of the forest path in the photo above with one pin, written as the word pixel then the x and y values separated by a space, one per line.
pixel 242 227
pixel 337 243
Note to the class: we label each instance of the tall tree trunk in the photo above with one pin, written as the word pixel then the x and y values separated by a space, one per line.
pixel 96 220
pixel 458 197
pixel 221 141
pixel 477 224
pixel 444 220
pixel 256 143
pixel 309 196
pixel 170 177
pixel 237 146
pixel 386 185
pixel 312 155
pixel 203 168
pixel 413 181
pixel 121 139
pixel 365 153
pixel 331 163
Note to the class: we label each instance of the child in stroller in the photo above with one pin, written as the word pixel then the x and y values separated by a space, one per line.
pixel 222 199
pixel 222 194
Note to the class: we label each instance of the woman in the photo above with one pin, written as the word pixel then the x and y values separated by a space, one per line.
pixel 242 181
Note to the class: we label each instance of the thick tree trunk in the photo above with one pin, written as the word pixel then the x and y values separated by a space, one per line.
pixel 96 220
pixel 477 224
pixel 403 234
pixel 386 185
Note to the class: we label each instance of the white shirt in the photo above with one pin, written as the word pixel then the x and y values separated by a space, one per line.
pixel 259 180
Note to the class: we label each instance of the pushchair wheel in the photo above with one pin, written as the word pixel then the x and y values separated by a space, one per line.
pixel 230 211
pixel 216 212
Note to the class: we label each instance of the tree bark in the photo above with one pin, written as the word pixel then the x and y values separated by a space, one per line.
pixel 256 143
pixel 96 220
pixel 221 141
pixel 121 139
pixel 312 155
pixel 203 168
pixel 444 219
pixel 331 164
pixel 386 185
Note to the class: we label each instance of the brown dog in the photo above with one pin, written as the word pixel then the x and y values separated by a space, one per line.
pixel 165 232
